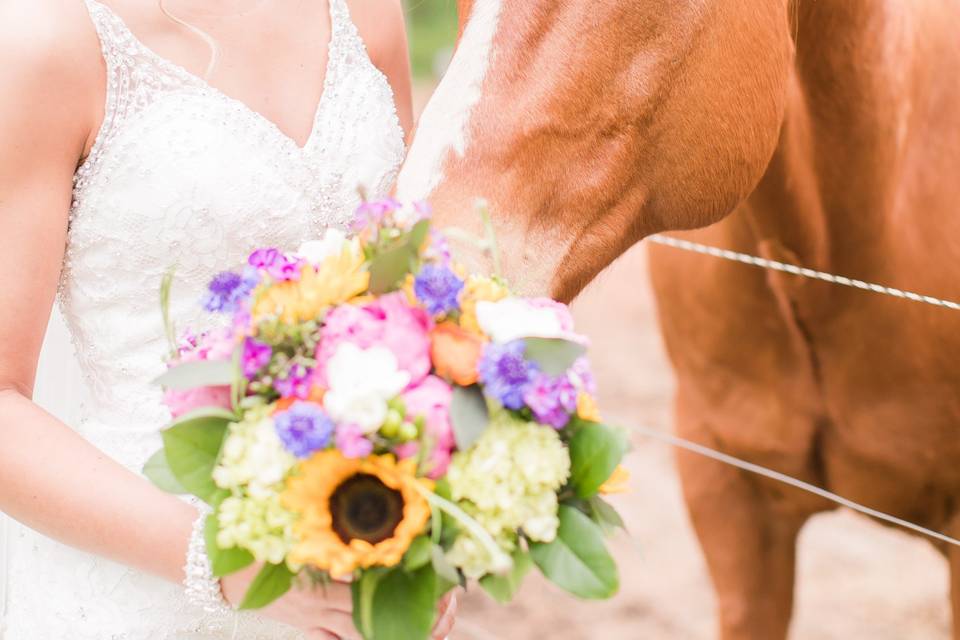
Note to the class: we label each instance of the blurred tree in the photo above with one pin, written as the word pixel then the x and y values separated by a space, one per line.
pixel 433 31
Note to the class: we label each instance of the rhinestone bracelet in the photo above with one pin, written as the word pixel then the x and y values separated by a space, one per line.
pixel 202 587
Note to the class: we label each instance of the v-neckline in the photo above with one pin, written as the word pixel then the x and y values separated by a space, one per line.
pixel 332 42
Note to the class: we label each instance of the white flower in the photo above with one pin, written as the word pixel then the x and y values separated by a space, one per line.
pixel 513 318
pixel 316 251
pixel 361 382
pixel 253 458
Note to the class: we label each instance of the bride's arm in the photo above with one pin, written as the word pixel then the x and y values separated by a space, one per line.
pixel 50 478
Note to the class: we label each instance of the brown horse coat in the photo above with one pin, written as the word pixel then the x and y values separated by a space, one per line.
pixel 829 128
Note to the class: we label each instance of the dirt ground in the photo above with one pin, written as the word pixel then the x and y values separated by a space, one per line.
pixel 857 580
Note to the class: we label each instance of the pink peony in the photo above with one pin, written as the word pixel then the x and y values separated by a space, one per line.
pixel 183 402
pixel 431 400
pixel 389 322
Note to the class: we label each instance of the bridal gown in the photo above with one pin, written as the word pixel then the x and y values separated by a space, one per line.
pixel 180 175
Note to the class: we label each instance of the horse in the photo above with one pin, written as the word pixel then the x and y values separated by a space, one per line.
pixel 815 132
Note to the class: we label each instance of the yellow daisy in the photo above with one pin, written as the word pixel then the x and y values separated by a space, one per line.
pixel 338 279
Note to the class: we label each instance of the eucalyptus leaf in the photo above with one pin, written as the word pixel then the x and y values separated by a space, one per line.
pixel 192 446
pixel 469 415
pixel 595 452
pixel 605 515
pixel 504 588
pixel 158 471
pixel 273 581
pixel 554 356
pixel 404 605
pixel 577 560
pixel 200 373
pixel 223 561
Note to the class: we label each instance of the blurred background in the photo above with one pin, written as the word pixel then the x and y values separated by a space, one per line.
pixel 856 580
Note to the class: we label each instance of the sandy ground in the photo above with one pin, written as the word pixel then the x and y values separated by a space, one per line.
pixel 857 580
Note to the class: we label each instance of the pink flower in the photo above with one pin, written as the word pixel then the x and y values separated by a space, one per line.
pixel 431 401
pixel 389 322
pixel 352 442
pixel 215 345
pixel 563 311
pixel 183 402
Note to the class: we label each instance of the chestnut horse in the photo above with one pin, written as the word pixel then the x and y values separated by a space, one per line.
pixel 819 132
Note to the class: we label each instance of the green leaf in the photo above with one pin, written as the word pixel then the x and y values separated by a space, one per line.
pixel 595 452
pixel 418 234
pixel 504 588
pixel 404 605
pixel 223 561
pixel 553 355
pixel 577 561
pixel 192 446
pixel 389 268
pixel 605 515
pixel 158 472
pixel 200 373
pixel 273 581
pixel 418 554
pixel 469 415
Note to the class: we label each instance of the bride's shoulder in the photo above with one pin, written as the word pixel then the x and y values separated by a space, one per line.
pixel 47 35
pixel 381 24
pixel 51 57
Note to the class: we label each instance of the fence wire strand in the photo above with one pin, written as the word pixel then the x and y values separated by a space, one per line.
pixel 804 272
pixel 773 265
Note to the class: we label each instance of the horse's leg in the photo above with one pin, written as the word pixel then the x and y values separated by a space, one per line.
pixel 748 538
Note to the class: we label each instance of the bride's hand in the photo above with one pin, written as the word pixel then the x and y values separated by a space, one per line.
pixel 325 613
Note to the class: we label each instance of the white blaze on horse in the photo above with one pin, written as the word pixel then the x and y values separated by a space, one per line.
pixel 819 132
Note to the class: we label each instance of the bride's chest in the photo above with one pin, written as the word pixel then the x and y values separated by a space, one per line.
pixel 196 180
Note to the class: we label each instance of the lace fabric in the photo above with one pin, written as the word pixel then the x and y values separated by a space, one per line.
pixel 181 176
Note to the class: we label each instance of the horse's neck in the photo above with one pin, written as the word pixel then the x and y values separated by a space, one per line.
pixel 861 83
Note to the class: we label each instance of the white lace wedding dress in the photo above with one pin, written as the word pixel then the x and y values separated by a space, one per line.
pixel 183 175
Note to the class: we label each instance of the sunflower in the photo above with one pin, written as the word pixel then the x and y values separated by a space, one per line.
pixel 338 279
pixel 355 513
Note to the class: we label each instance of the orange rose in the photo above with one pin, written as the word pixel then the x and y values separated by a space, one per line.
pixel 455 353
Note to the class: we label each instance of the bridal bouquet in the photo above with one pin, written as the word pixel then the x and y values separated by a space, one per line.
pixel 362 409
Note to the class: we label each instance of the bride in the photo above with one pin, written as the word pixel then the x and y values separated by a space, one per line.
pixel 136 135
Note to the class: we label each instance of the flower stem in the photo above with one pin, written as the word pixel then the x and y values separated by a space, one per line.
pixel 471 525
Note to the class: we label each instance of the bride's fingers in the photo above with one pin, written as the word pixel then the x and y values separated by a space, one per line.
pixel 448 618
pixel 339 625
pixel 320 635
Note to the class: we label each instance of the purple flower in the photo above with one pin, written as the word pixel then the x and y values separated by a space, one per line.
pixel 303 429
pixel 373 212
pixel 581 375
pixel 227 290
pixel 277 265
pixel 296 384
pixel 352 443
pixel 256 355
pixel 552 400
pixel 438 288
pixel 438 249
pixel 506 373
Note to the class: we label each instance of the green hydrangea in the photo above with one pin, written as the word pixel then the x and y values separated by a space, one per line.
pixel 508 481
pixel 260 525
pixel 254 461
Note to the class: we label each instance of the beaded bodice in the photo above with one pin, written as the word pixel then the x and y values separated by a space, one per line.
pixel 180 176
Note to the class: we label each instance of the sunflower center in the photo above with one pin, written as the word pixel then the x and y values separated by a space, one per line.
pixel 364 508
